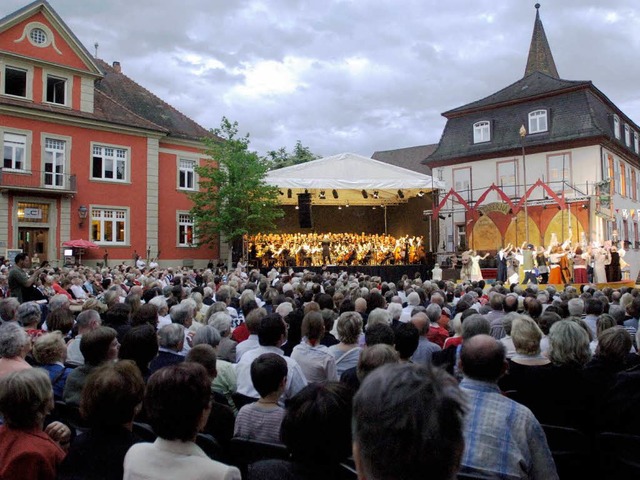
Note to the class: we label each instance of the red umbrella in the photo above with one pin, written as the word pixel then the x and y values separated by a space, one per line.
pixel 80 243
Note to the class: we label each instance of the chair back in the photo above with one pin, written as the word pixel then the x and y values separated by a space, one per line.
pixel 571 450
pixel 619 457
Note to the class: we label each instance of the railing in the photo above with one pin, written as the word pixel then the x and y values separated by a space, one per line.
pixel 35 180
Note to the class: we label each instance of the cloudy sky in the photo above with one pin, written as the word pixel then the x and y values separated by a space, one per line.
pixel 350 75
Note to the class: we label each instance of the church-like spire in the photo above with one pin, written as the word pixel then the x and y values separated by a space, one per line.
pixel 540 57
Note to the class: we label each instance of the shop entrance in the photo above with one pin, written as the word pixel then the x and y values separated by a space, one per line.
pixel 33 242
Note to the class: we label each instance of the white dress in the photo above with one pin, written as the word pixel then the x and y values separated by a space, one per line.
pixel 476 273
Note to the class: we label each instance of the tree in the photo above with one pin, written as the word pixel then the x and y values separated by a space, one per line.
pixel 281 158
pixel 233 199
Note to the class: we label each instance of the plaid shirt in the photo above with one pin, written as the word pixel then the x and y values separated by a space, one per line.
pixel 503 437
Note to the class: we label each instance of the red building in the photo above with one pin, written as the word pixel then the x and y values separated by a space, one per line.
pixel 89 153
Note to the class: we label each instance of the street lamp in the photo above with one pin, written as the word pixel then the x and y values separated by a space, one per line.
pixel 523 134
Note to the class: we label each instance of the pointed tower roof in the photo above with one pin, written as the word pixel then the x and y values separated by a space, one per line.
pixel 540 57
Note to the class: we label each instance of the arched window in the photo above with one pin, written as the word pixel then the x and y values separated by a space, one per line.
pixel 538 121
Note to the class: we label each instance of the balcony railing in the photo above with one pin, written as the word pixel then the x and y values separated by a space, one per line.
pixel 38 181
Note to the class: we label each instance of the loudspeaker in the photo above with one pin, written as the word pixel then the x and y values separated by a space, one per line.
pixel 304 210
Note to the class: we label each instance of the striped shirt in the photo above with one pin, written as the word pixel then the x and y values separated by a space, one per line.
pixel 503 437
pixel 259 423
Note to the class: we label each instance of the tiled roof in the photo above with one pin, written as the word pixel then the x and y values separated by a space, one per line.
pixel 533 85
pixel 410 157
pixel 147 105
pixel 106 110
pixel 540 57
pixel 573 115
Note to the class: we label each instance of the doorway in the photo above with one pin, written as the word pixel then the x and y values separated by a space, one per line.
pixel 33 242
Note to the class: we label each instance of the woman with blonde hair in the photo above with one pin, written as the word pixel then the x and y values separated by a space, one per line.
pixel 27 449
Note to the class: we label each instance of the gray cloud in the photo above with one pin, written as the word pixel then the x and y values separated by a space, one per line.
pixel 346 75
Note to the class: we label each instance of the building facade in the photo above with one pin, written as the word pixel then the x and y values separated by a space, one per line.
pixel 89 153
pixel 573 171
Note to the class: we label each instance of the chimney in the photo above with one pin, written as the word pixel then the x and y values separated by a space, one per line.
pixel 116 67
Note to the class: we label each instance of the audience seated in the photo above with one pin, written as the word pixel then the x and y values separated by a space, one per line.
pixel 97 346
pixel 502 437
pixel 28 449
pixel 261 420
pixel 410 440
pixel 15 344
pixel 140 344
pixel 317 431
pixel 111 398
pixel 171 342
pixel 50 352
pixel 178 403
pixel 315 360
pixel 347 351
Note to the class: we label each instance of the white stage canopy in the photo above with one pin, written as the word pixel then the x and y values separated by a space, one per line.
pixel 356 180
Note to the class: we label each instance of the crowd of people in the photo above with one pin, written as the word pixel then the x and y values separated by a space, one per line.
pixel 315 249
pixel 400 378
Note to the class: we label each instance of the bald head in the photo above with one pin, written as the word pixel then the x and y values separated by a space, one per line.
pixel 483 358
pixel 360 305
pixel 421 322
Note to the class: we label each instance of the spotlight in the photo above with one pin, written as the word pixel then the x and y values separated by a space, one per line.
pixel 449 215
pixel 400 194
pixel 480 213
pixel 322 195
pixel 281 192
pixel 335 193
pixel 339 207
pixel 421 194
pixel 347 205
pixel 289 193
pixel 442 217
pixel 364 193
pixel 376 194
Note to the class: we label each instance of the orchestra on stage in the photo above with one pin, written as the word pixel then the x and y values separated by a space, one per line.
pixel 318 249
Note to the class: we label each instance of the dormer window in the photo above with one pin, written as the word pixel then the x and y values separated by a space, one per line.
pixel 627 135
pixel 636 142
pixel 616 126
pixel 481 132
pixel 538 121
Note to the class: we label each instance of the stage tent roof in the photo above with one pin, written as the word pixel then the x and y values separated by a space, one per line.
pixel 350 174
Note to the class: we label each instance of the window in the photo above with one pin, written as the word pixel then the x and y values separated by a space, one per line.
pixel 625 230
pixel 56 90
pixel 15 81
pixel 462 182
pixel 508 177
pixel 461 236
pixel 15 147
pixel 616 126
pixel 627 135
pixel 636 237
pixel 54 160
pixel 186 174
pixel 559 171
pixel 481 132
pixel 636 142
pixel 538 121
pixel 109 163
pixel 38 36
pixel 623 180
pixel 186 230
pixel 109 226
pixel 633 187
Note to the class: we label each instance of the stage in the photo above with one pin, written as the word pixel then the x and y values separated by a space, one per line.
pixel 388 273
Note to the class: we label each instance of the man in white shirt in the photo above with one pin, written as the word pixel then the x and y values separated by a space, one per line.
pixel 272 334
pixel 254 317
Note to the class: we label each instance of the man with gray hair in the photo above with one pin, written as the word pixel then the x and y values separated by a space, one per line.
pixel 171 340
pixel 221 321
pixel 8 309
pixel 502 437
pixel 426 348
pixel 86 321
pixel 436 334
pixel 576 307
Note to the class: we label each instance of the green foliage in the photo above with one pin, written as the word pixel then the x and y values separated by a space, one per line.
pixel 233 199
pixel 281 158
